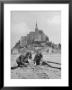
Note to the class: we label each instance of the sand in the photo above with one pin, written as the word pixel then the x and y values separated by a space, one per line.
pixel 38 72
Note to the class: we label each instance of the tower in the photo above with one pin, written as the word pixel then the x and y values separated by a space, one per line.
pixel 36 27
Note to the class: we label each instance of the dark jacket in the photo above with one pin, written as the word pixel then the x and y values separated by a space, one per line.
pixel 37 58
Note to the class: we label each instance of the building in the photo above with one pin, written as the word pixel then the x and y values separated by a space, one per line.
pixel 32 37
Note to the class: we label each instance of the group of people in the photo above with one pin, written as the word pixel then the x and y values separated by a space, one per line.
pixel 23 60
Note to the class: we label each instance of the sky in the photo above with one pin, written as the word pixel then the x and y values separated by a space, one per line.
pixel 22 22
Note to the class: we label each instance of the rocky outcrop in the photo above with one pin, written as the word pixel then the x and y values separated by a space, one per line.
pixel 34 39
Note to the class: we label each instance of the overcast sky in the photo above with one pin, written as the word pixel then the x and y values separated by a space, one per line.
pixel 22 22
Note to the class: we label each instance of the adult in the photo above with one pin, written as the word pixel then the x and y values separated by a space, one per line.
pixel 38 58
pixel 23 60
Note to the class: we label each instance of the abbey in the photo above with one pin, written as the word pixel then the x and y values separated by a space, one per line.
pixel 36 36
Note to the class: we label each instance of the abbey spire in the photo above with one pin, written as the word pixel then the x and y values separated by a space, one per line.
pixel 36 27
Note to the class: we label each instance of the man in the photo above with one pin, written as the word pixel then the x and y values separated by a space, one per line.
pixel 22 60
pixel 37 58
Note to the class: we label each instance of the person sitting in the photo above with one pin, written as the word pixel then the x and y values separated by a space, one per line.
pixel 22 60
pixel 38 58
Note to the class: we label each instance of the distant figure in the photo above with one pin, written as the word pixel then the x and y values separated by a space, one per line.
pixel 37 58
pixel 23 60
